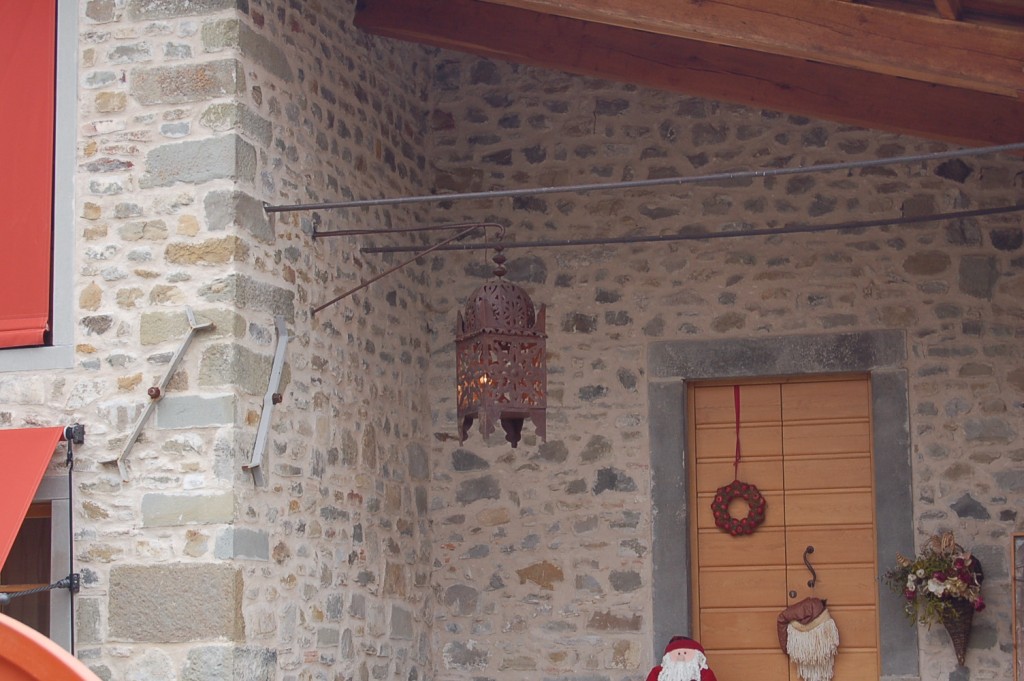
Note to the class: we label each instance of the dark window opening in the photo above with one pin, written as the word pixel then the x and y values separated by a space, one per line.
pixel 28 567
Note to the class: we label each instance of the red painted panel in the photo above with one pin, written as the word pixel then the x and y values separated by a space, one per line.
pixel 24 455
pixel 28 43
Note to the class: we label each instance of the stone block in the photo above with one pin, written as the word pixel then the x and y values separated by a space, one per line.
pixel 198 161
pixel 187 82
pixel 754 357
pixel 401 623
pixel 327 637
pixel 160 327
pixel 248 294
pixel 87 621
pixel 193 411
pixel 544 574
pixel 151 665
pixel 462 599
pixel 209 252
pixel 100 11
pixel 926 263
pixel 606 621
pixel 357 607
pixel 143 230
pixel 142 10
pixel 226 209
pixel 625 580
pixel 175 603
pixel 464 656
pixel 22 389
pixel 172 510
pixel 233 365
pixel 419 461
pixel 485 487
pixel 224 116
pixel 978 275
pixel 230 33
pixel 240 542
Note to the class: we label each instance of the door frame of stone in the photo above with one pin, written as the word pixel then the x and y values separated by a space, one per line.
pixel 670 364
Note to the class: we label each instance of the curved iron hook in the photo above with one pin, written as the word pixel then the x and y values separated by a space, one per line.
pixel 814 575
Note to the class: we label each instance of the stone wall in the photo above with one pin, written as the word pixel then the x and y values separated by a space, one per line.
pixel 545 551
pixel 192 114
pixel 379 547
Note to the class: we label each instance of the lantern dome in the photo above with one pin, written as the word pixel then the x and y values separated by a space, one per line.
pixel 499 306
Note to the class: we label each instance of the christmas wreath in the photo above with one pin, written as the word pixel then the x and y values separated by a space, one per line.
pixel 738 490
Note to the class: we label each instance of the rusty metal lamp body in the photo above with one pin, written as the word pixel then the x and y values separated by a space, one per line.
pixel 501 363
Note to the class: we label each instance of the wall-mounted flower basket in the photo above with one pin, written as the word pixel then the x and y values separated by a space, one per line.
pixel 941 584
pixel 958 621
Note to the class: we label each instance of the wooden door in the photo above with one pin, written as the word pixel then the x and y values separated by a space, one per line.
pixel 807 446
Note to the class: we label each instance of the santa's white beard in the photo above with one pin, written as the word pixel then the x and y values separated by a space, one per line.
pixel 677 670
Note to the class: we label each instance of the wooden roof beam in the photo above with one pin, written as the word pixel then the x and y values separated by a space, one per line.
pixel 700 69
pixel 983 57
pixel 949 9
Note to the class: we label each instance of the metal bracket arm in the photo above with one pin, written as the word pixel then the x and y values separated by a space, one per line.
pixel 156 393
pixel 269 400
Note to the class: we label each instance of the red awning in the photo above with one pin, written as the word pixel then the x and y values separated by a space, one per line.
pixel 28 38
pixel 24 456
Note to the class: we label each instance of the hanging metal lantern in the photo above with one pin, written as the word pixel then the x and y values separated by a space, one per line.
pixel 501 364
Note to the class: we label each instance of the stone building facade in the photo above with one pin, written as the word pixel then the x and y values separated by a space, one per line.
pixel 377 546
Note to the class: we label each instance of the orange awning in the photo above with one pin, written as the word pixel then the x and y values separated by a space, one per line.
pixel 24 456
pixel 27 655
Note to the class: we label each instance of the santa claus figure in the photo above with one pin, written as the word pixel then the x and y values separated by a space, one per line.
pixel 684 660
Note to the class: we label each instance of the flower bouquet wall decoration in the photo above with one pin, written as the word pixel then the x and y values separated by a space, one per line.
pixel 941 584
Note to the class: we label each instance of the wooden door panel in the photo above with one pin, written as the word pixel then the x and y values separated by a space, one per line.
pixel 840 585
pixel 858 627
pixel 831 544
pixel 742 587
pixel 749 628
pixel 828 472
pixel 761 439
pixel 855 665
pixel 730 665
pixel 767 545
pixel 840 437
pixel 757 403
pixel 832 507
pixel 834 399
pixel 715 473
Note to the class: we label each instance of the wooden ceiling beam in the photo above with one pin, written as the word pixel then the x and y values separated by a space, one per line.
pixel 949 9
pixel 917 46
pixel 701 69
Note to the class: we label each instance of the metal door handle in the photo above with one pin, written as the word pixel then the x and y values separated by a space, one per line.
pixel 814 575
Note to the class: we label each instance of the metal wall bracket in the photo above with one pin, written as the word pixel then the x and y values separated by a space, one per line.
pixel 269 400
pixel 156 393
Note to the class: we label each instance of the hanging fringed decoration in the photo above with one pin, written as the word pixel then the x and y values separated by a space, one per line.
pixel 808 634
pixel 501 363
pixel 726 494
pixel 813 647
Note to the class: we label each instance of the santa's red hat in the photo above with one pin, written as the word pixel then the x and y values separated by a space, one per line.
pixel 678 642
